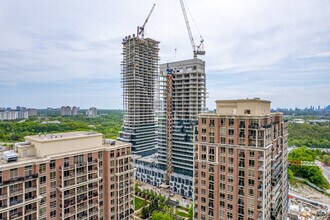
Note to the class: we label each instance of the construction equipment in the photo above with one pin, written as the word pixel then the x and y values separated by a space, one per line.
pixel 169 115
pixel 140 30
pixel 197 50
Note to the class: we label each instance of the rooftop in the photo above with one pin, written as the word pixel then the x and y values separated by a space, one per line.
pixel 61 136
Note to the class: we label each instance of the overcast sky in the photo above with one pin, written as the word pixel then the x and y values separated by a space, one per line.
pixel 68 52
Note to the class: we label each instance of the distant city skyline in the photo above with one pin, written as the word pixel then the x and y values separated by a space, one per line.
pixel 68 53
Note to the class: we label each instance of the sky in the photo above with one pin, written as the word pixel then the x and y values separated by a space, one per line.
pixel 55 53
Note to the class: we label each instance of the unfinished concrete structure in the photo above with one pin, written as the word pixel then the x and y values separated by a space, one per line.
pixel 182 98
pixel 241 162
pixel 139 74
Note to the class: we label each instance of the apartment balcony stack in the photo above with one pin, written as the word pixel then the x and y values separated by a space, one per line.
pixel 76 175
pixel 188 99
pixel 241 162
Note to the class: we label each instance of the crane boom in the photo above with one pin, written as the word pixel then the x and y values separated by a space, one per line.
pixel 140 30
pixel 196 50
pixel 188 26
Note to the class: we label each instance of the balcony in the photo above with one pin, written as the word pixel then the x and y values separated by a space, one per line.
pixel 15 215
pixel 29 211
pixel 30 189
pixel 15 202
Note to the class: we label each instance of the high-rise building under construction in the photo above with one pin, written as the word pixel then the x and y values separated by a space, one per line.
pixel 182 98
pixel 139 73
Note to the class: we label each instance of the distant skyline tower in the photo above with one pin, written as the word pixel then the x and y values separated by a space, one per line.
pixel 139 74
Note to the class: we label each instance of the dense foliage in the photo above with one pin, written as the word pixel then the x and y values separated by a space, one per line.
pixel 309 135
pixel 108 124
pixel 161 216
pixel 311 173
pixel 159 206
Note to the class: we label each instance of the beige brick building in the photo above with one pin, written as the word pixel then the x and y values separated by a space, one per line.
pixel 76 175
pixel 241 162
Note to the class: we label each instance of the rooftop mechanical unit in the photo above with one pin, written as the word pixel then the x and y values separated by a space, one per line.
pixel 10 156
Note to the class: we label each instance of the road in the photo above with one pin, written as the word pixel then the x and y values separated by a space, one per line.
pixel 325 170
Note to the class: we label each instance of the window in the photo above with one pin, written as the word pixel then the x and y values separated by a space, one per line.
pixel 66 162
pixel 28 170
pixel 222 186
pixel 251 163
pixel 79 159
pixel 42 168
pixel 52 164
pixel 90 157
pixel 203 121
pixel 203 130
pixel 222 121
pixel 42 190
pixel 231 132
pixel 42 180
pixel 251 201
pixel 223 140
pixel 222 159
pixel 13 173
pixel 251 192
pixel 211 122
pixel 28 184
pixel 231 122
pixel 100 154
pixel 222 131
pixel 231 141
pixel 13 188
pixel 247 111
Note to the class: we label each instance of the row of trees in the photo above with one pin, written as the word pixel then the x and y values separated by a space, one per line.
pixel 317 136
pixel 109 125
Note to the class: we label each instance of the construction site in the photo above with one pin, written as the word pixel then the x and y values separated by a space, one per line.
pixel 139 74
pixel 161 108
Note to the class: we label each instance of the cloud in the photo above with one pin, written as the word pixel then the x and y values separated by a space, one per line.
pixel 71 50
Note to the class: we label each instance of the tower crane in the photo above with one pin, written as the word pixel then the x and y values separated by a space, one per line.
pixel 140 30
pixel 197 50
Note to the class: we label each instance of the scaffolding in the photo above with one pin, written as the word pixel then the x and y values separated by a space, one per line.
pixel 139 74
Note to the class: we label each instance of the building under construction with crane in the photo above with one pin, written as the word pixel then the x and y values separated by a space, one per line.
pixel 182 96
pixel 139 74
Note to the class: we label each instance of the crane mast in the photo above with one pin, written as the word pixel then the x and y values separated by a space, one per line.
pixel 140 30
pixel 199 50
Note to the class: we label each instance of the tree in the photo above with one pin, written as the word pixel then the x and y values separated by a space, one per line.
pixel 160 216
pixel 145 212
pixel 191 213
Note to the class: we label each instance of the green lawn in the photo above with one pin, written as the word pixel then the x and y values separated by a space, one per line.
pixel 182 214
pixel 139 203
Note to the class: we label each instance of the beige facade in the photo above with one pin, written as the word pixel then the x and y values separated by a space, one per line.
pixel 75 175
pixel 241 162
